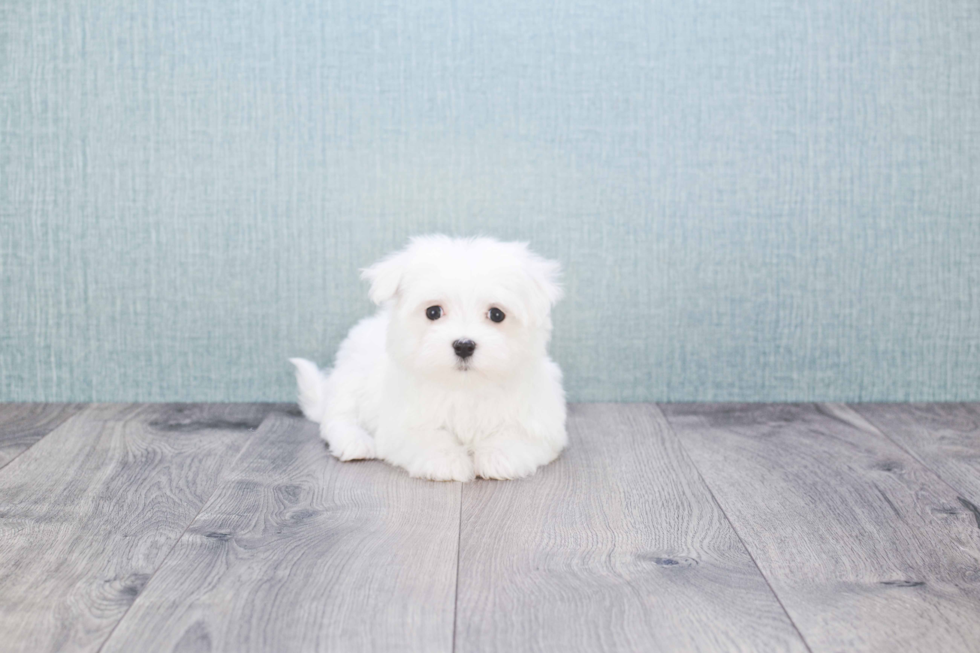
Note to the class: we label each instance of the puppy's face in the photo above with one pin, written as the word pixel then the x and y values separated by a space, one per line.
pixel 474 307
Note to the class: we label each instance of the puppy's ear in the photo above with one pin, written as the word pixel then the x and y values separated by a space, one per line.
pixel 385 276
pixel 544 276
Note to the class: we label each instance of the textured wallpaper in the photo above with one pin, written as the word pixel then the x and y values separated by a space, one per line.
pixel 753 200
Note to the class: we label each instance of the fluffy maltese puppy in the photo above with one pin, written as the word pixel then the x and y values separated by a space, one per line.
pixel 451 378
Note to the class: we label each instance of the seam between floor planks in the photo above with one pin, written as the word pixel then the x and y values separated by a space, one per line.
pixel 459 538
pixel 911 452
pixel 16 432
pixel 748 550
pixel 922 460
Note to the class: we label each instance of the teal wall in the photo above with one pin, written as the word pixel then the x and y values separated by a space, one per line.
pixel 753 200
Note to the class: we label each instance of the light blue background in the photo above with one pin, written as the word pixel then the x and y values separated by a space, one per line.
pixel 753 200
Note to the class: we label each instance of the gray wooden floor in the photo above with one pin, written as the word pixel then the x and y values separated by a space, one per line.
pixel 662 528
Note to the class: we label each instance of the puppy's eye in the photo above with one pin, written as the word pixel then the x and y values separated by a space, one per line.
pixel 496 315
pixel 434 312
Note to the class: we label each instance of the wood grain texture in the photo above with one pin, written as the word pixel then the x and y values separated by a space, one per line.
pixel 21 425
pixel 617 545
pixel 88 514
pixel 867 549
pixel 299 552
pixel 944 437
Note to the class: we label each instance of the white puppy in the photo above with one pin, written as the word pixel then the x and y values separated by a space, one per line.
pixel 451 378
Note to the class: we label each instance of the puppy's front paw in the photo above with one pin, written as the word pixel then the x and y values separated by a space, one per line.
pixel 445 465
pixel 359 449
pixel 503 463
pixel 348 441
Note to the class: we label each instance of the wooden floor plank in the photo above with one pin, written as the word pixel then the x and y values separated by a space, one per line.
pixel 21 425
pixel 299 552
pixel 867 549
pixel 944 437
pixel 88 514
pixel 616 546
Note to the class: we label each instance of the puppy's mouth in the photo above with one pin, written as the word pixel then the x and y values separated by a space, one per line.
pixel 463 364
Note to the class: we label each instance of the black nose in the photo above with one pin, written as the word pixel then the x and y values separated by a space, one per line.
pixel 464 348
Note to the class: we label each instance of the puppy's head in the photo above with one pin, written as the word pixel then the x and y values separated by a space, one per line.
pixel 472 306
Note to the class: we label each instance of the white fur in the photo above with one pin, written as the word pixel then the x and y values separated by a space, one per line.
pixel 398 391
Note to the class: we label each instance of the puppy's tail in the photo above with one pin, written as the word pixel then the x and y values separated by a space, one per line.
pixel 311 391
